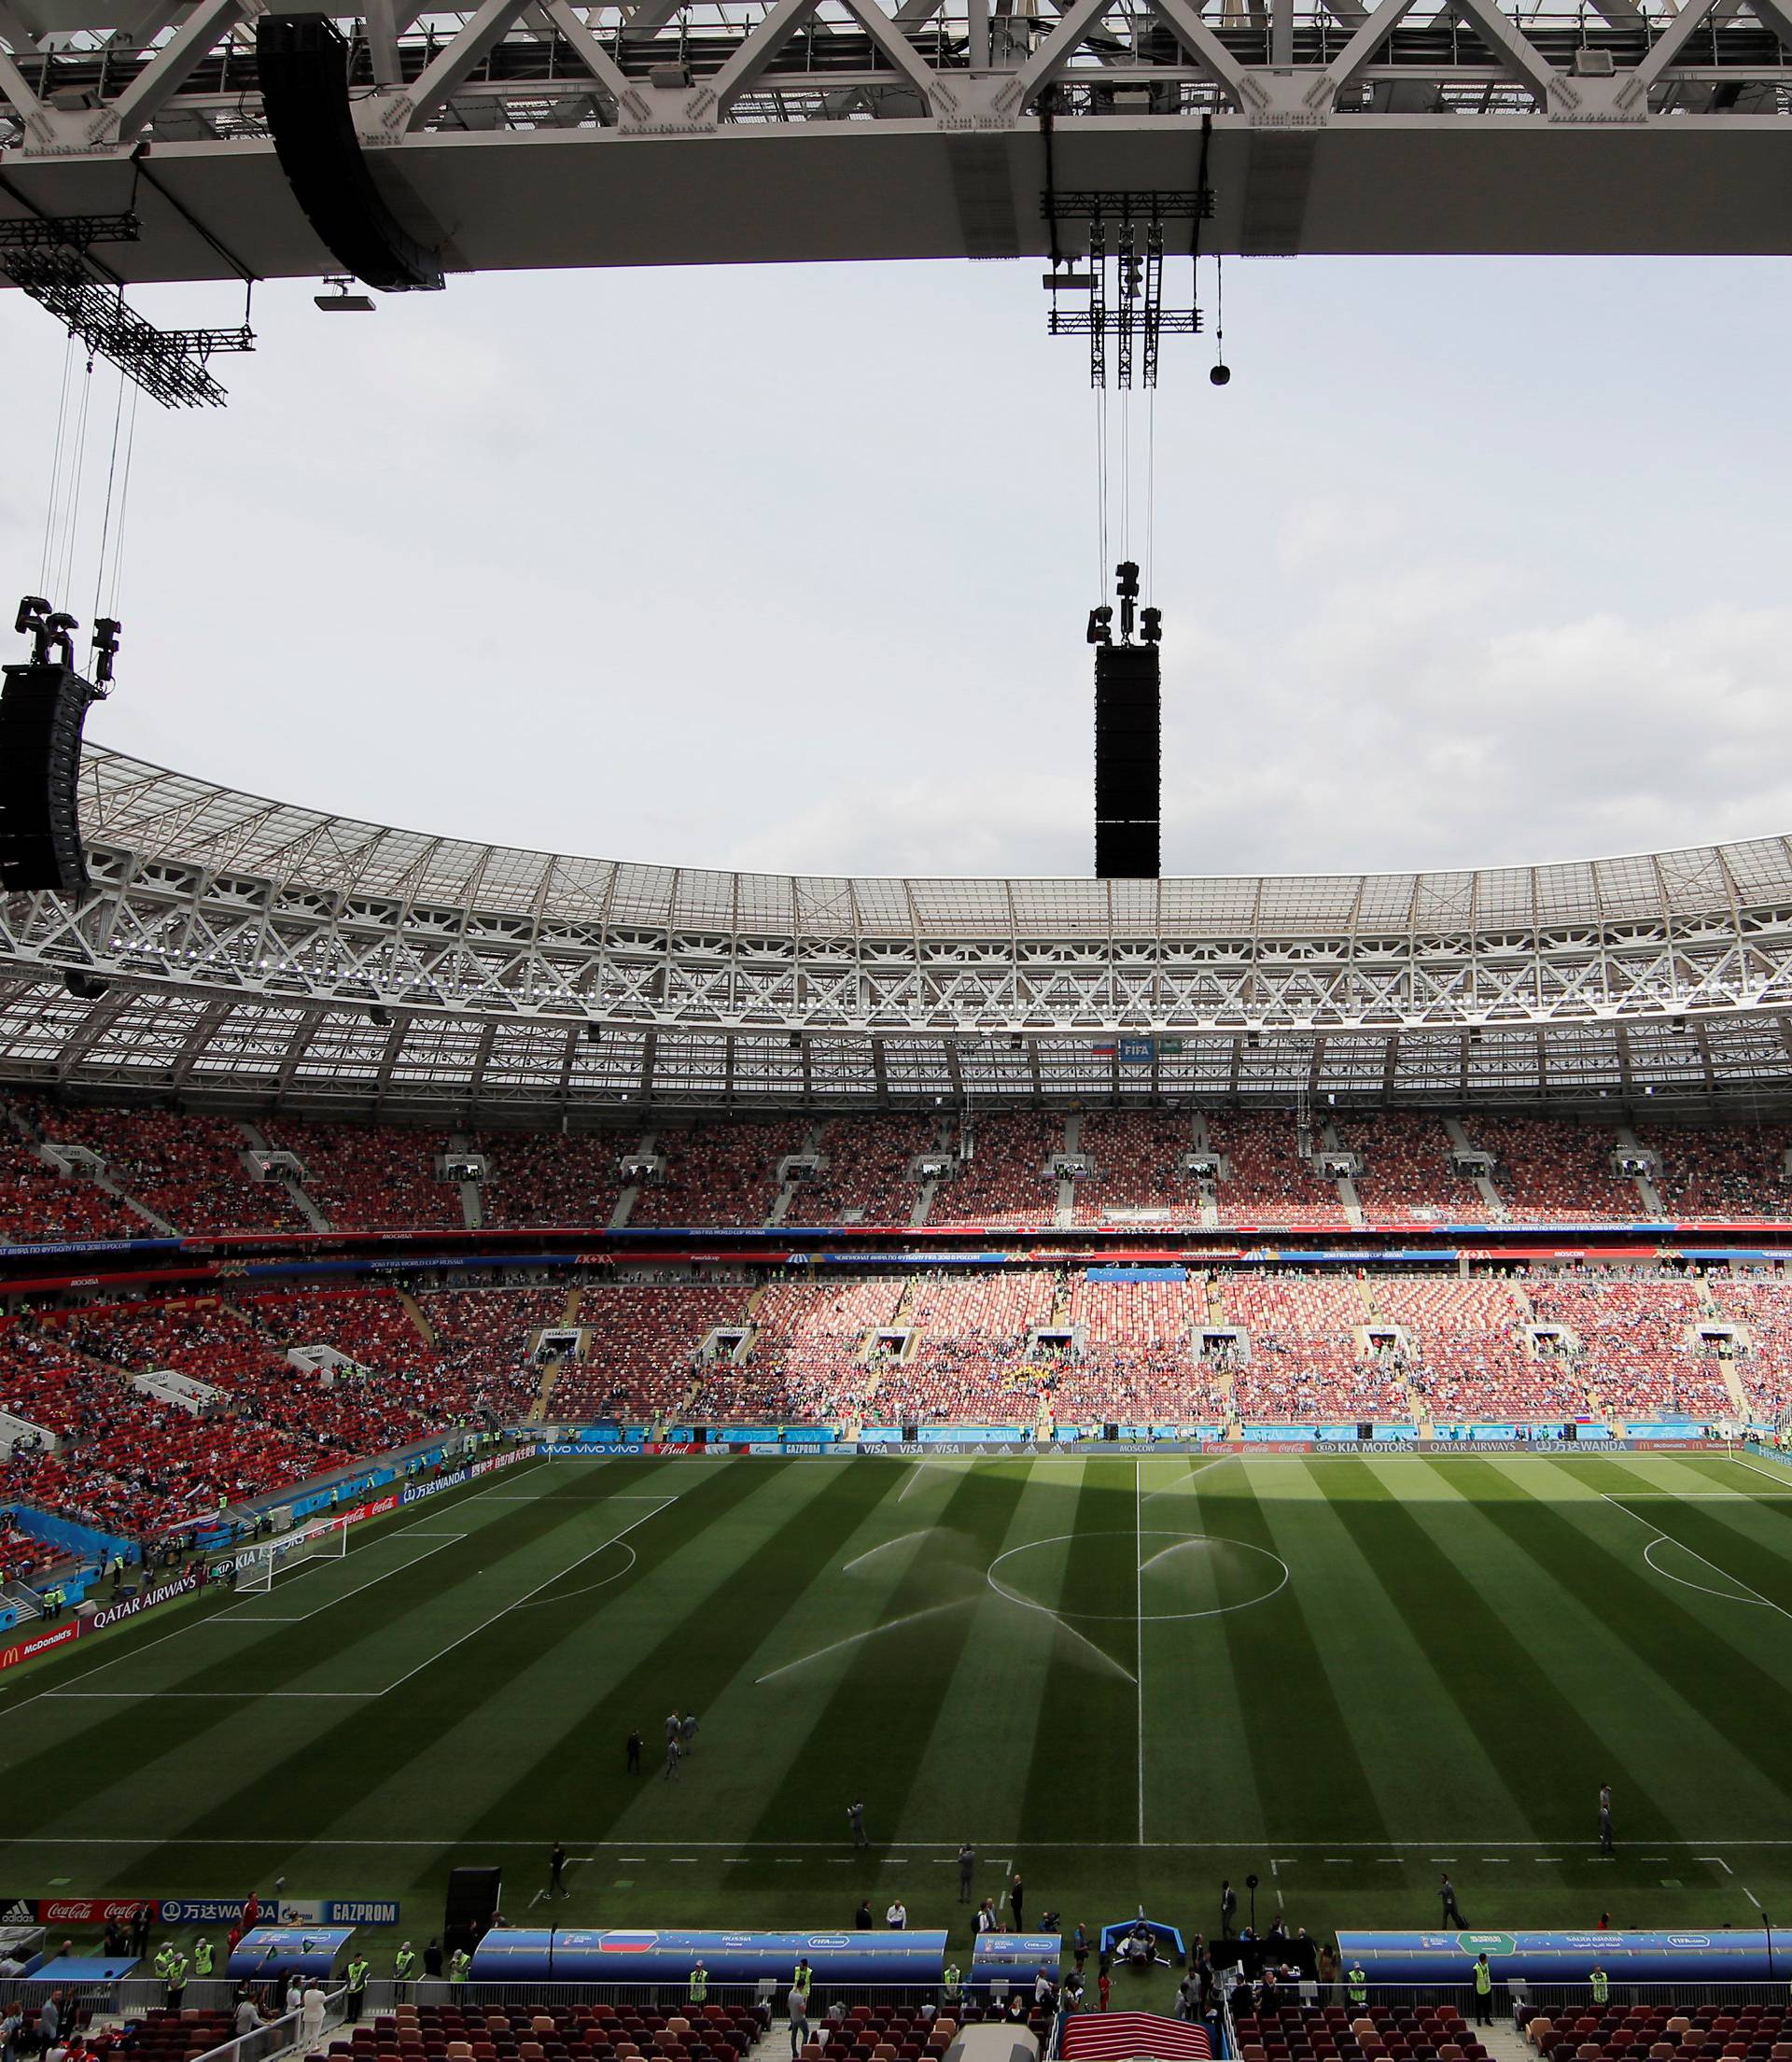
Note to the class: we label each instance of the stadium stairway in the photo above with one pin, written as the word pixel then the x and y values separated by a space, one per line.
pixel 1347 1199
pixel 1647 1191
pixel 630 1196
pixel 551 1370
pixel 415 1311
pixel 296 1192
pixel 1483 1188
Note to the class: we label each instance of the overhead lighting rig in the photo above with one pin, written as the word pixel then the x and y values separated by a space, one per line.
pixel 1123 277
pixel 46 257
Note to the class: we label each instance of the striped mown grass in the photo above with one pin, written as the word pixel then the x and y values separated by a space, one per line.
pixel 1127 1676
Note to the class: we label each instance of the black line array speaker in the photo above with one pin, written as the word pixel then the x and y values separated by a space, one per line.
pixel 301 61
pixel 472 1906
pixel 42 709
pixel 1128 761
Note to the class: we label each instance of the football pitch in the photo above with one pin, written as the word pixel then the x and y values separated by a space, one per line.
pixel 1125 1677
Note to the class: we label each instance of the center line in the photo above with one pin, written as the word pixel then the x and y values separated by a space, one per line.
pixel 1139 1615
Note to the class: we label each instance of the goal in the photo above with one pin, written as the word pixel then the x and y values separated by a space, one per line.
pixel 258 1565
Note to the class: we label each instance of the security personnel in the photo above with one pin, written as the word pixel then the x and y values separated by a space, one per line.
pixel 459 1963
pixel 358 1973
pixel 201 1958
pixel 953 1981
pixel 404 1970
pixel 803 1978
pixel 1357 1986
pixel 699 1983
pixel 176 1981
pixel 164 1961
pixel 1601 1984
pixel 1483 1991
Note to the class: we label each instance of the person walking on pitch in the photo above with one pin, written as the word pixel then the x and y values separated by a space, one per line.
pixel 635 1751
pixel 557 1871
pixel 855 1819
pixel 967 1868
pixel 1605 1819
pixel 1452 1911
pixel 1228 1909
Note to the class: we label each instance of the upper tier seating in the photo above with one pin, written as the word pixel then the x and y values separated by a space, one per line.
pixel 1004 1181
pixel 717 1174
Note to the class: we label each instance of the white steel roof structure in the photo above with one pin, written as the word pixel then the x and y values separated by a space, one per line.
pixel 247 948
pixel 511 134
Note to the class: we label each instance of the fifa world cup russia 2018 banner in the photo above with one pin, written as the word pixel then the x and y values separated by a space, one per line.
pixel 1729 1956
pixel 647 1957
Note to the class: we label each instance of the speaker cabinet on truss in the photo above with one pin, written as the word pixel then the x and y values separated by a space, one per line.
pixel 1128 761
pixel 303 64
pixel 42 709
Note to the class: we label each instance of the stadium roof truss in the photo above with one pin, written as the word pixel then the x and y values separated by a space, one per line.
pixel 236 947
pixel 540 132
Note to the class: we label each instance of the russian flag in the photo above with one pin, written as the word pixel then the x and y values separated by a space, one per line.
pixel 626 1944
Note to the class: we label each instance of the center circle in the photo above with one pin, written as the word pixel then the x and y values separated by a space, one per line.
pixel 1168 1574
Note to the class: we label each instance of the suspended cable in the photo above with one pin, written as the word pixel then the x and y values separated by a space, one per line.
pixel 105 520
pixel 1101 489
pixel 72 515
pixel 1151 488
pixel 56 467
pixel 124 502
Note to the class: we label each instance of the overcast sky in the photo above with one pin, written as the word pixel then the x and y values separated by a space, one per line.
pixel 1472 562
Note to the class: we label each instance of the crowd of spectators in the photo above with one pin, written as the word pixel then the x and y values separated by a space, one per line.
pixel 1725 1171
pixel 371 1177
pixel 1635 1341
pixel 869 1176
pixel 1554 1169
pixel 189 1168
pixel 1405 1171
pixel 1266 1182
pixel 1137 1158
pixel 717 1174
pixel 550 1177
pixel 644 1345
pixel 39 1206
pixel 1005 1178
pixel 186 1167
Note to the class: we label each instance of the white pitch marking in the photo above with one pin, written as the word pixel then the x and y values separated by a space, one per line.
pixel 1717 1858
pixel 504 1610
pixel 238 1614
pixel 1754 1594
pixel 193 1626
pixel 1139 1619
pixel 1181 1482
pixel 852 1639
pixel 1755 1468
pixel 1752 1898
pixel 202 1696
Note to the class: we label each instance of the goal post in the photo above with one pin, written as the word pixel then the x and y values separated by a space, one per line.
pixel 257 1565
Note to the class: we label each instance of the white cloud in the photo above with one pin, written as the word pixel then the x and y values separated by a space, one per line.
pixel 789 568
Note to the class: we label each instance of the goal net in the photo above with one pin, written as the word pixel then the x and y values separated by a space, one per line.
pixel 258 1565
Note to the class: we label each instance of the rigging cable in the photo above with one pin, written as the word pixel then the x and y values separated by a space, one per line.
pixel 56 468
pixel 71 511
pixel 1101 490
pixel 111 479
pixel 124 502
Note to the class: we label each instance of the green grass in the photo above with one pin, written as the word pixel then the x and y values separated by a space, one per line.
pixel 1339 1674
